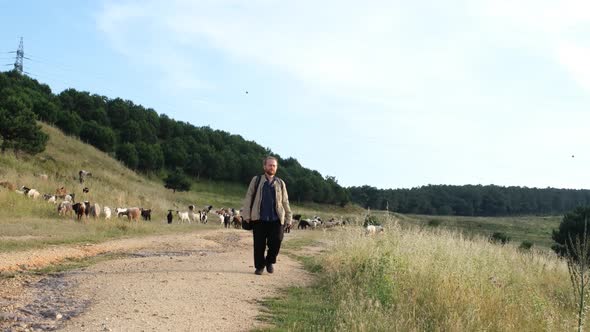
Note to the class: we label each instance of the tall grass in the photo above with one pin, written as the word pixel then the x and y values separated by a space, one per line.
pixel 421 279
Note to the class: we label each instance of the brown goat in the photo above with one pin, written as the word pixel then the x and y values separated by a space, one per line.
pixel 61 191
pixel 133 214
pixel 8 185
pixel 237 221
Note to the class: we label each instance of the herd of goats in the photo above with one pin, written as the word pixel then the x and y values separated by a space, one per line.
pixel 227 217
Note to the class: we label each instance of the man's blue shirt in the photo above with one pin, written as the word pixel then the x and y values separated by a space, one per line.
pixel 268 210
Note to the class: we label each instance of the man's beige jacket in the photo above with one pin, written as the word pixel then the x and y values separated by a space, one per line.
pixel 282 198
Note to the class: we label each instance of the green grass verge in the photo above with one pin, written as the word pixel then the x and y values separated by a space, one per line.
pixel 300 308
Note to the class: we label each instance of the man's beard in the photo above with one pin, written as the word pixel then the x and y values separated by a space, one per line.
pixel 270 172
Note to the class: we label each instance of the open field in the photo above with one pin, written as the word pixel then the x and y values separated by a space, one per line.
pixel 536 229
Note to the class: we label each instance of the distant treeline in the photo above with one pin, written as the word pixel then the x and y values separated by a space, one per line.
pixel 154 143
pixel 471 200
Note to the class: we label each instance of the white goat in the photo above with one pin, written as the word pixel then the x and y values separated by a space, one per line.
pixel 374 229
pixel 183 216
pixel 107 212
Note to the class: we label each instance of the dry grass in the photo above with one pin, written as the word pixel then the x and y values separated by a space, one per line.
pixel 418 279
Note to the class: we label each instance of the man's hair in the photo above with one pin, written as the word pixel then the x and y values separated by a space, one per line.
pixel 269 158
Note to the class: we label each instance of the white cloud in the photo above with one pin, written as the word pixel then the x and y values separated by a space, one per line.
pixel 379 51
pixel 576 60
pixel 426 76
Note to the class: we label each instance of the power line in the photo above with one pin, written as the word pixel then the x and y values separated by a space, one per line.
pixel 62 69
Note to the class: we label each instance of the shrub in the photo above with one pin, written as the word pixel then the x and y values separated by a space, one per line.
pixel 177 181
pixel 525 245
pixel 371 220
pixel 434 222
pixel 499 238
pixel 570 229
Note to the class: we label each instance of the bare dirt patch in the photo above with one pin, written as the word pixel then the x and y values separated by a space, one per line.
pixel 188 282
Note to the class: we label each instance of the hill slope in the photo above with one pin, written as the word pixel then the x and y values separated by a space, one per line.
pixel 34 223
pixel 154 143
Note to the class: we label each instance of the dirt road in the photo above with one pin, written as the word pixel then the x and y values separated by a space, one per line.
pixel 191 282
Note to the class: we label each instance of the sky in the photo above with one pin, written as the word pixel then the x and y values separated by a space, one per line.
pixel 392 94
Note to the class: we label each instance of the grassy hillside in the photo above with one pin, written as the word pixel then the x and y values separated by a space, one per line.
pixel 32 223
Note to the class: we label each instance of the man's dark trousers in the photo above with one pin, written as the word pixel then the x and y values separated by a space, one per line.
pixel 266 233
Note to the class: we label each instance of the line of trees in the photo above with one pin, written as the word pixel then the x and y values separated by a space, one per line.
pixel 471 200
pixel 153 143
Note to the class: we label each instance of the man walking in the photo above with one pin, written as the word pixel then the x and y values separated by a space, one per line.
pixel 267 207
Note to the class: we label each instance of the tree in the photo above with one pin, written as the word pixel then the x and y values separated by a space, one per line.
pixel 45 110
pixel 150 157
pixel 194 165
pixel 128 155
pixel 177 181
pixel 69 122
pixel 571 229
pixel 574 244
pixel 149 134
pixel 175 154
pixel 118 112
pixel 131 133
pixel 19 129
pixel 101 137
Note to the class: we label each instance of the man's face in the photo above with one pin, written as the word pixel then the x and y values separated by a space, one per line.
pixel 270 167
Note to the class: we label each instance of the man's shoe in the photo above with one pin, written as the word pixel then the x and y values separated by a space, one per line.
pixel 258 271
pixel 269 268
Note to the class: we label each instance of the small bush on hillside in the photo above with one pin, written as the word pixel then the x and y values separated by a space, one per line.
pixel 434 222
pixel 177 181
pixel 499 238
pixel 371 220
pixel 525 245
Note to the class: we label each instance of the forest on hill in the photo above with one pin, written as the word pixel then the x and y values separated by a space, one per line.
pixel 154 143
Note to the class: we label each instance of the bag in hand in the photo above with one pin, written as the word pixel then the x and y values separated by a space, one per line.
pixel 247 225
